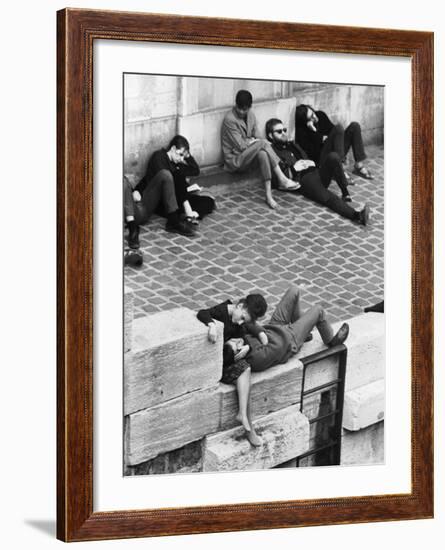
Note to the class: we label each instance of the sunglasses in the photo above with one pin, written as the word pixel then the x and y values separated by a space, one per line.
pixel 281 130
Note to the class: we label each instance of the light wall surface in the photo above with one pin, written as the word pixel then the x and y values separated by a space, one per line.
pixel 156 107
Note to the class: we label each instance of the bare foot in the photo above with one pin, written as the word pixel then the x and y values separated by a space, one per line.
pixel 271 203
pixel 253 438
pixel 244 421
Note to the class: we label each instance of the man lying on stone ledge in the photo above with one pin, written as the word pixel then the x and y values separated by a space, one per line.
pixel 267 345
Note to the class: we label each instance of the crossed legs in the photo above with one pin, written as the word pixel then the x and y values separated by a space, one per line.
pixel 288 312
pixel 262 153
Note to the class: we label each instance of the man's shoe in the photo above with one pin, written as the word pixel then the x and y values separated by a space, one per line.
pixel 346 197
pixel 364 215
pixel 133 258
pixel 133 235
pixel 341 336
pixel 377 308
pixel 291 186
pixel 180 227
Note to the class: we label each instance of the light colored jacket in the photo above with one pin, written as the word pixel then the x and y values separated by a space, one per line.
pixel 235 133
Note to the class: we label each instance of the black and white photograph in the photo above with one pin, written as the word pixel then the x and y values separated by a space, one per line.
pixel 253 251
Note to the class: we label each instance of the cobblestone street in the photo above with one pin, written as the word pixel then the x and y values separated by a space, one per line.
pixel 245 247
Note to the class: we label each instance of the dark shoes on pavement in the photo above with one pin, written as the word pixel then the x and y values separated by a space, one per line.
pixel 341 336
pixel 181 227
pixel 377 308
pixel 363 215
pixel 133 258
pixel 133 235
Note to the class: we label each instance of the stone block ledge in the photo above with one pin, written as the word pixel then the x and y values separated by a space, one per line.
pixel 364 406
pixel 171 400
pixel 171 356
pixel 284 434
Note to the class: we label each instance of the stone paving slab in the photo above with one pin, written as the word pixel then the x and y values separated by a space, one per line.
pixel 246 247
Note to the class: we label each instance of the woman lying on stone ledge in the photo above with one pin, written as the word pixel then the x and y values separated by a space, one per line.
pixel 285 333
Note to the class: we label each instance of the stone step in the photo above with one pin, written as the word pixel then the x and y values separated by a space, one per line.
pixel 218 181
pixel 128 317
pixel 364 406
pixel 366 446
pixel 284 434
pixel 171 356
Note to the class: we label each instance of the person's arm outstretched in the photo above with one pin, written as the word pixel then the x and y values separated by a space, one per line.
pixel 208 317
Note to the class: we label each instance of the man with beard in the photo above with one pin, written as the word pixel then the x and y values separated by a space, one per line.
pixel 314 182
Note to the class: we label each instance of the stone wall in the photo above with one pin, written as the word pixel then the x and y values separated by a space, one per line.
pixel 179 418
pixel 158 107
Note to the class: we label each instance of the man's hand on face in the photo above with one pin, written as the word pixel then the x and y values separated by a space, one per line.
pixel 242 352
pixel 311 126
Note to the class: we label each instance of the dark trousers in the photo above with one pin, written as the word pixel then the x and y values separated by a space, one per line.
pixel 288 312
pixel 332 169
pixel 129 208
pixel 341 140
pixel 160 190
pixel 132 208
pixel 312 187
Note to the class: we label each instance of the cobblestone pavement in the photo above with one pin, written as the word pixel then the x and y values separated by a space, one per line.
pixel 245 247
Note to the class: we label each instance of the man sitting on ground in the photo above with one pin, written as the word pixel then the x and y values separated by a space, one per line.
pixel 133 213
pixel 242 149
pixel 158 187
pixel 314 181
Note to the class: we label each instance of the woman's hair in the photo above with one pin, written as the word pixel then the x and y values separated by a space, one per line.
pixel 301 115
pixel 228 355
pixel 243 99
pixel 180 142
pixel 270 125
pixel 255 304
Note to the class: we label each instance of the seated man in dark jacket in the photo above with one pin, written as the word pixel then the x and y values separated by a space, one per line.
pixel 192 204
pixel 157 187
pixel 319 137
pixel 314 181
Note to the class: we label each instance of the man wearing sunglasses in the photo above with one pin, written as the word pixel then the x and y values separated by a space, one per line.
pixel 242 149
pixel 314 181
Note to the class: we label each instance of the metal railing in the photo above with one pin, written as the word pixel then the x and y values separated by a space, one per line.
pixel 330 447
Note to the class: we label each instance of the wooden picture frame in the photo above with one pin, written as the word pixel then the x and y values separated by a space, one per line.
pixel 77 31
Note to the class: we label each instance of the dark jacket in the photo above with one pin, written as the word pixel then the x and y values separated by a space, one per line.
pixel 158 161
pixel 289 153
pixel 221 313
pixel 276 351
pixel 312 142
